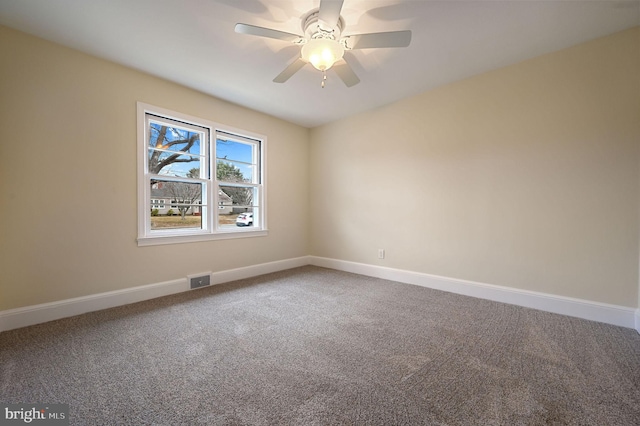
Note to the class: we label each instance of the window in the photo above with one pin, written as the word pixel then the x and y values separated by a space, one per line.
pixel 186 167
pixel 157 204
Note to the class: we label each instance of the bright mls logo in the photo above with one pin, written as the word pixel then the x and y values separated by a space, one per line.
pixel 35 414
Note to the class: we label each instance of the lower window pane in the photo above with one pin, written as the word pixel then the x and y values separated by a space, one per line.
pixel 176 222
pixel 176 205
pixel 235 207
pixel 239 218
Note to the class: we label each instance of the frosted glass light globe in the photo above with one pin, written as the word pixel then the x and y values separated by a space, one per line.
pixel 322 53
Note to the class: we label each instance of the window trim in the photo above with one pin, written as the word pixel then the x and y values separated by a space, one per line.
pixel 147 237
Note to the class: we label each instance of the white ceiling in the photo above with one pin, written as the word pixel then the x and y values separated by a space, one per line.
pixel 192 42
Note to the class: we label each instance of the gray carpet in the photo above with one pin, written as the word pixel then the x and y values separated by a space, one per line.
pixel 313 346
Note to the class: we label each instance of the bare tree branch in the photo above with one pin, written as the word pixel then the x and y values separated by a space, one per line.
pixel 155 164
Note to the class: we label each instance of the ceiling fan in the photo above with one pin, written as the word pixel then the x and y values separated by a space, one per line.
pixel 323 44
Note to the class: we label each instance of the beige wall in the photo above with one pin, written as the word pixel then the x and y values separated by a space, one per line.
pixel 68 178
pixel 524 177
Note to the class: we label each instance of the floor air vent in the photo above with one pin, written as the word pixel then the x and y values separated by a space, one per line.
pixel 197 281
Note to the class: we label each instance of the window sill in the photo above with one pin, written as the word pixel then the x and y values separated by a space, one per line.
pixel 157 240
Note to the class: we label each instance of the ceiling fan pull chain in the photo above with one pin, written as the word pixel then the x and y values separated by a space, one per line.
pixel 324 78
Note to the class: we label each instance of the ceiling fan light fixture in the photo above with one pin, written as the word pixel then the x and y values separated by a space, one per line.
pixel 323 45
pixel 322 53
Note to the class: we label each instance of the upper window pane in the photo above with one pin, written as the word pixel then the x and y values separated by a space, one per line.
pixel 232 171
pixel 233 150
pixel 175 150
pixel 236 161
pixel 174 138
pixel 174 164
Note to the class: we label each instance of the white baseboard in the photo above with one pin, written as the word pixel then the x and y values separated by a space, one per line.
pixel 36 314
pixel 601 312
pixel 610 314
pixel 260 269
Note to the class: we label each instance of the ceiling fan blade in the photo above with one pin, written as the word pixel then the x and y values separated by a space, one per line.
pixel 367 41
pixel 330 12
pixel 267 32
pixel 293 68
pixel 345 73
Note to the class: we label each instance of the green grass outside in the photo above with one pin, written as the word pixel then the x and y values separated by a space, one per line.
pixel 161 222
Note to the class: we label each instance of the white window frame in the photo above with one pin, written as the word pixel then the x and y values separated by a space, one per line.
pixel 210 229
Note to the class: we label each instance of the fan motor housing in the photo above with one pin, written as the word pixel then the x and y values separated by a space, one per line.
pixel 311 26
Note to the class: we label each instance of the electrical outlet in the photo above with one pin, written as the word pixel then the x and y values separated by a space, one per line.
pixel 197 281
pixel 380 253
